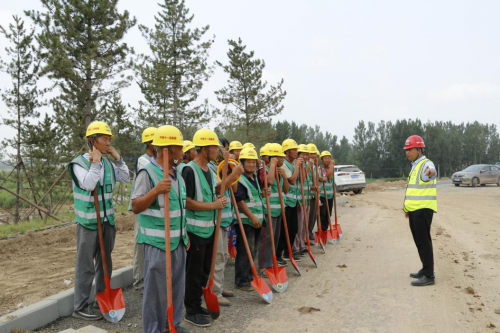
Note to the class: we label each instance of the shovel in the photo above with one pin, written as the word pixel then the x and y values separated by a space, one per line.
pixel 258 282
pixel 276 275
pixel 168 258
pixel 306 217
pixel 337 225
pixel 283 216
pixel 320 234
pixel 230 247
pixel 110 301
pixel 210 296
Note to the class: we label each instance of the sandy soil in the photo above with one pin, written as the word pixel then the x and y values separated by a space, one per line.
pixel 40 264
pixel 361 284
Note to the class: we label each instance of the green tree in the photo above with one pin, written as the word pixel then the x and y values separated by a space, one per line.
pixel 171 77
pixel 247 98
pixel 84 55
pixel 23 97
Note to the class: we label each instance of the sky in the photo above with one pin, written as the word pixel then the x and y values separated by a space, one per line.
pixel 351 60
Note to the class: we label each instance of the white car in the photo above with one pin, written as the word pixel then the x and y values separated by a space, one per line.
pixel 349 178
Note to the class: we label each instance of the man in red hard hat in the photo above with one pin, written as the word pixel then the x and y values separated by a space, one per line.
pixel 419 206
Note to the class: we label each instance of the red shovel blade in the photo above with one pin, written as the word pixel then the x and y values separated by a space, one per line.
pixel 320 239
pixel 262 288
pixel 278 279
pixel 232 250
pixel 339 229
pixel 111 304
pixel 212 302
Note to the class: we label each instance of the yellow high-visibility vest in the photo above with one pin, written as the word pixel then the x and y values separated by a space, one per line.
pixel 419 194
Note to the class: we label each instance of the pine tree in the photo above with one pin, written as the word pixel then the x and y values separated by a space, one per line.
pixel 84 55
pixel 171 77
pixel 23 98
pixel 247 97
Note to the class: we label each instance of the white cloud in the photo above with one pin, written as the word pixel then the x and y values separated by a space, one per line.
pixel 464 92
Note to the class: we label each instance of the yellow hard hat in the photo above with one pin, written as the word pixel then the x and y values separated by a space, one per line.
pixel 275 149
pixel 303 148
pixel 312 148
pixel 148 134
pixel 188 145
pixel 325 153
pixel 168 135
pixel 97 127
pixel 264 150
pixel 248 154
pixel 235 145
pixel 289 144
pixel 205 137
pixel 248 144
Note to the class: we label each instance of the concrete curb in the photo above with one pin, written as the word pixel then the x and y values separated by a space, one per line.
pixel 53 307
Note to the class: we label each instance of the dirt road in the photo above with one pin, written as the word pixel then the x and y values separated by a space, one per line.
pixel 362 284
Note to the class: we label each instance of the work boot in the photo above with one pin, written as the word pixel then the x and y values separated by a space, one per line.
pixel 87 313
pixel 198 319
pixel 423 281
pixel 417 275
pixel 179 329
pixel 227 293
pixel 223 301
pixel 281 262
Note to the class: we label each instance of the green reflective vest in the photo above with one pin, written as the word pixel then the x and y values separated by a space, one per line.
pixel 255 202
pixel 293 195
pixel 202 222
pixel 328 184
pixel 84 200
pixel 152 220
pixel 227 211
pixel 274 199
pixel 419 194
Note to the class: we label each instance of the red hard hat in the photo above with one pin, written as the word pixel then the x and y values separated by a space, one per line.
pixel 414 141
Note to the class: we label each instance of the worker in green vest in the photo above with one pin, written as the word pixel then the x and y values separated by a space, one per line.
pixel 138 260
pixel 311 165
pixel 420 205
pixel 91 171
pixel 325 172
pixel 202 204
pixel 291 167
pixel 235 148
pixel 250 199
pixel 273 157
pixel 299 247
pixel 148 202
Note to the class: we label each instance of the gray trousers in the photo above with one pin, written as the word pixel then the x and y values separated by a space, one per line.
pixel 300 240
pixel 242 270
pixel 265 258
pixel 312 217
pixel 88 262
pixel 220 261
pixel 138 261
pixel 154 301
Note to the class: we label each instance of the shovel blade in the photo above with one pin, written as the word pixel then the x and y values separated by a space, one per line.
pixel 262 288
pixel 312 257
pixel 111 304
pixel 278 279
pixel 212 302
pixel 294 264
pixel 232 250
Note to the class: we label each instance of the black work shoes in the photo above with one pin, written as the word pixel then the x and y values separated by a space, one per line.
pixel 423 281
pixel 417 275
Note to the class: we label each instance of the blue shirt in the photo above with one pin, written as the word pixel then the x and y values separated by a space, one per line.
pixel 427 164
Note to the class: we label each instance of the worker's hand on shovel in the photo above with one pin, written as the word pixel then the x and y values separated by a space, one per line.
pixel 163 186
pixel 299 162
pixel 281 171
pixel 220 203
pixel 255 221
pixel 266 192
pixel 95 155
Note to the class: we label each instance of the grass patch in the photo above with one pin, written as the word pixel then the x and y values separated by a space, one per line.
pixel 36 223
pixel 390 179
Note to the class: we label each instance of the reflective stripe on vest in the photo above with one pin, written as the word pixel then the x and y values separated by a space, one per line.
pixel 328 185
pixel 292 197
pixel 419 194
pixel 83 200
pixel 274 198
pixel 202 222
pixel 254 201
pixel 152 220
